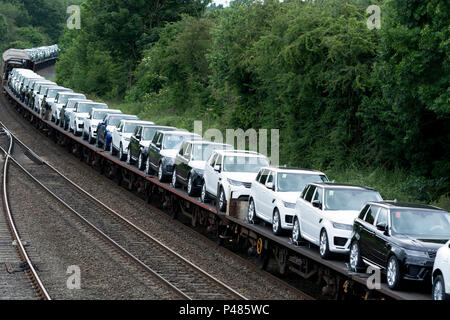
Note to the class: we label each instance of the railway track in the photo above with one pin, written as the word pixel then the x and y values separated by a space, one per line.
pixel 6 146
pixel 177 273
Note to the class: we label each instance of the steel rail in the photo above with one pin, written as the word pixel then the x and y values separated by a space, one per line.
pixel 34 277
pixel 127 223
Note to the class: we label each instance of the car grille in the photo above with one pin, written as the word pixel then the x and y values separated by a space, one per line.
pixel 340 242
pixel 248 185
pixel 432 254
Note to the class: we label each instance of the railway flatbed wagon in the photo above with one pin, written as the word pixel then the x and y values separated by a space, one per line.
pixel 229 228
pixel 32 59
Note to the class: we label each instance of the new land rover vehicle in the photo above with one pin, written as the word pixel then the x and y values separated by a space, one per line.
pixel 96 115
pixel 78 115
pixel 120 138
pixel 190 164
pixel 441 274
pixel 33 89
pixel 231 171
pixel 39 94
pixel 67 110
pixel 60 102
pixel 274 193
pixel 324 215
pixel 50 97
pixel 140 141
pixel 108 126
pixel 399 238
pixel 164 148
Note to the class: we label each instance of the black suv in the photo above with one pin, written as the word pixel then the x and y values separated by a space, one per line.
pixel 399 238
pixel 163 150
pixel 140 141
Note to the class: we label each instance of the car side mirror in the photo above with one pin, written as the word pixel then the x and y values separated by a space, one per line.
pixel 269 185
pixel 217 168
pixel 158 145
pixel 317 204
pixel 382 227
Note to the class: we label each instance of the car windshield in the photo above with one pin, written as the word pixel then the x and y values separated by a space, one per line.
pixel 148 133
pixel 52 93
pixel 296 182
pixel 201 152
pixel 129 127
pixel 348 199
pixel 98 115
pixel 173 141
pixel 63 98
pixel 421 223
pixel 244 164
pixel 84 107
pixel 114 121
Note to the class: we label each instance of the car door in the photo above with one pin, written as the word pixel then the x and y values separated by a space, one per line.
pixel 115 137
pixel 216 175
pixel 258 195
pixel 367 234
pixel 381 247
pixel 306 214
pixel 267 196
pixel 316 215
pixel 134 142
pixel 153 149
pixel 185 169
pixel 209 172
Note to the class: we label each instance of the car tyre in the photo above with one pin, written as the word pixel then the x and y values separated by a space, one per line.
pixel 324 246
pixel 438 291
pixel 296 232
pixel 393 274
pixel 203 194
pixel 222 200
pixel 129 160
pixel 161 176
pixel 251 213
pixel 355 261
pixel 276 222
pixel 121 155
pixel 190 187
pixel 174 179
pixel 141 162
pixel 148 170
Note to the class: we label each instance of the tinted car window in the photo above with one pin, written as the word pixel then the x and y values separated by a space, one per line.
pixel 371 215
pixel 213 159
pixel 264 175
pixel 363 212
pixel 305 191
pixel 382 217
pixel 259 175
pixel 310 193
pixel 318 194
pixel 270 177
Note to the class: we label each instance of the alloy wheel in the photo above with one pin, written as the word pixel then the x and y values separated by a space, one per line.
pixel 276 222
pixel 391 274
pixel 296 232
pixel 354 256
pixel 438 289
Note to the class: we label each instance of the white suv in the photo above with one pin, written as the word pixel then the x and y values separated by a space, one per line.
pixel 232 171
pixel 441 274
pixel 95 116
pixel 274 192
pixel 120 138
pixel 80 113
pixel 325 212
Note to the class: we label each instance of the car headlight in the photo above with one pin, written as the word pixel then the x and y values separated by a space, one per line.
pixel 342 226
pixel 235 182
pixel 126 139
pixel 289 205
pixel 93 126
pixel 416 253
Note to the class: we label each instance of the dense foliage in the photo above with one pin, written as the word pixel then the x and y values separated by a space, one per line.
pixel 345 97
pixel 31 23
